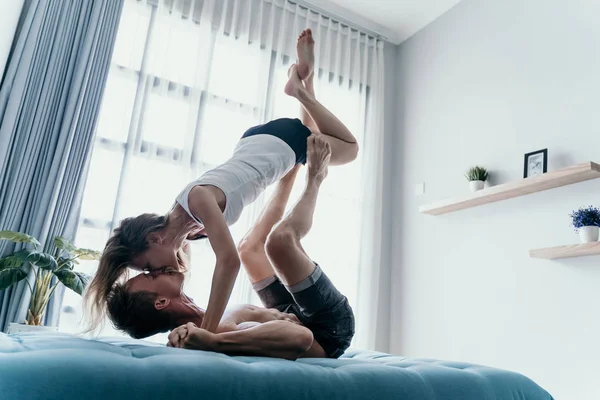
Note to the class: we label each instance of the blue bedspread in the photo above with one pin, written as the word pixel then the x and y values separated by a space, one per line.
pixel 61 366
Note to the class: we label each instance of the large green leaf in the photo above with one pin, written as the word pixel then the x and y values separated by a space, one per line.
pixel 10 275
pixel 42 260
pixel 64 244
pixel 87 254
pixel 19 237
pixel 83 254
pixel 66 263
pixel 14 260
pixel 76 281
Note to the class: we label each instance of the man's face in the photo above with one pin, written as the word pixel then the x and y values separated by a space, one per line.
pixel 167 285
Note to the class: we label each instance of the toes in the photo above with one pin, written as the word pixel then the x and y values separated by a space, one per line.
pixel 304 33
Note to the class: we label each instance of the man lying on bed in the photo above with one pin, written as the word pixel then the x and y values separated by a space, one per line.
pixel 305 315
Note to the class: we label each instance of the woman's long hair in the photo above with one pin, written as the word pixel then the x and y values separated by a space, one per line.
pixel 128 240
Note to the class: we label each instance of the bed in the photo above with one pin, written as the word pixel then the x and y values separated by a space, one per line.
pixel 62 366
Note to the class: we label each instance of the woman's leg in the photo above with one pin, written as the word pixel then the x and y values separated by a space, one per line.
pixel 304 115
pixel 315 116
pixel 306 62
pixel 344 147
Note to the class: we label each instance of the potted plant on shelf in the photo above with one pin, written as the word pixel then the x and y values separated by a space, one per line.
pixel 20 264
pixel 477 176
pixel 586 221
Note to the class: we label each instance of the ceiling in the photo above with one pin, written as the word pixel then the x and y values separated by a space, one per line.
pixel 400 18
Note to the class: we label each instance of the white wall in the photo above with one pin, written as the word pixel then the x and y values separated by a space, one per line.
pixel 9 16
pixel 484 84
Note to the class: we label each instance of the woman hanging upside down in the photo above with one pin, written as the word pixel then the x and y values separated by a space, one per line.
pixel 209 205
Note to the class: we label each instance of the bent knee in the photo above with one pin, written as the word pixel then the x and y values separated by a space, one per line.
pixel 354 151
pixel 279 242
pixel 247 250
pixel 345 154
pixel 249 246
pixel 351 152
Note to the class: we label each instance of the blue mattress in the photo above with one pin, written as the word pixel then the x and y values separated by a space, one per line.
pixel 62 366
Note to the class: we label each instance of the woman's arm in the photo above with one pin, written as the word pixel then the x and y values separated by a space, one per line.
pixel 204 206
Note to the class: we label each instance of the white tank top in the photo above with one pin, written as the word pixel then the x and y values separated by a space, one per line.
pixel 257 162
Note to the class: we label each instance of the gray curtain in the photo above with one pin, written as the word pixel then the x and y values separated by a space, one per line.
pixel 49 102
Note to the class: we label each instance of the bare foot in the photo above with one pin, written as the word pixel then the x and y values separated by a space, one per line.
pixel 294 85
pixel 306 54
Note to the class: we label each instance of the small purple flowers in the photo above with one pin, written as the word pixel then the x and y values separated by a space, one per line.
pixel 589 216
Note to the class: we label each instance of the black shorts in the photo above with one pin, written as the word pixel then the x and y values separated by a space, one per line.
pixel 319 306
pixel 291 131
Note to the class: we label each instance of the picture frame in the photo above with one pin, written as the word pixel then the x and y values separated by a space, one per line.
pixel 536 163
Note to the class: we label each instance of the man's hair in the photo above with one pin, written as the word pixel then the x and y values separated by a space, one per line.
pixel 134 312
pixel 128 240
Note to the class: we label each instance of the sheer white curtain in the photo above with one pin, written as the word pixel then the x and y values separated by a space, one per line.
pixel 187 79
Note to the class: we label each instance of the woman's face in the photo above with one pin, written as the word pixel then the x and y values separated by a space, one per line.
pixel 158 257
pixel 164 285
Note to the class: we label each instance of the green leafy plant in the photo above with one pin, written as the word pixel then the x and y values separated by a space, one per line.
pixel 477 173
pixel 17 266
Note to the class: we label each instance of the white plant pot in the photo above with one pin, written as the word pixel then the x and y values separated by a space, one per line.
pixel 476 185
pixel 588 234
pixel 20 328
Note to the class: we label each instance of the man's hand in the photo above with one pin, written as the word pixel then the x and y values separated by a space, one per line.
pixel 189 336
pixel 318 156
pixel 178 335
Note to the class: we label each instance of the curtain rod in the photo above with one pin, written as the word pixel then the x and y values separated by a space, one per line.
pixel 337 18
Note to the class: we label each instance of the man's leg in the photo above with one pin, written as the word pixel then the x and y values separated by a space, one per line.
pixel 261 273
pixel 344 147
pixel 283 245
pixel 252 247
pixel 311 289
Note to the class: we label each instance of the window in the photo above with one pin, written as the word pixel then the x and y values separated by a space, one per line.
pixel 178 98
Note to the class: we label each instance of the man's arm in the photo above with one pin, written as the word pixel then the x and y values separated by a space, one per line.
pixel 204 206
pixel 280 339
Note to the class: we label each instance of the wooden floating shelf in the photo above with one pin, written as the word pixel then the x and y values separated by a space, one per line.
pixel 550 180
pixel 575 250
